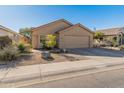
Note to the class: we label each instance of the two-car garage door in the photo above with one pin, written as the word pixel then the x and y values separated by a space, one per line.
pixel 76 41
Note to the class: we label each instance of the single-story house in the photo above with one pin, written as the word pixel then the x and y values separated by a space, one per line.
pixel 114 33
pixel 12 34
pixel 68 35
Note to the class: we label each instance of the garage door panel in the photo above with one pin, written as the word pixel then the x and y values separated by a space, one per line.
pixel 76 41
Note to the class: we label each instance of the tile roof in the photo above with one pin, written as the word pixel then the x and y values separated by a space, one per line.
pixel 34 28
pixel 82 26
pixel 9 30
pixel 112 31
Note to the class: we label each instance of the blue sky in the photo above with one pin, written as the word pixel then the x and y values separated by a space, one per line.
pixel 100 17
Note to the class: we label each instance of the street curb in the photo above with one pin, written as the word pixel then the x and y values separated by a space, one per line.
pixel 20 78
pixel 43 75
pixel 65 71
pixel 54 78
pixel 76 69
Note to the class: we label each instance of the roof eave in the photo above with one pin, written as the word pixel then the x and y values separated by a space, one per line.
pixel 34 28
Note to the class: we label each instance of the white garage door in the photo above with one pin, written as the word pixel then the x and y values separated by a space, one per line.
pixel 76 41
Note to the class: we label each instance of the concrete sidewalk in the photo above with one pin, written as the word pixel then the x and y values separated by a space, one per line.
pixel 23 73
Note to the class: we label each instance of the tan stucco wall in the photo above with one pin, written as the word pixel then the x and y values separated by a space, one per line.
pixel 11 35
pixel 75 31
pixel 5 33
pixel 45 30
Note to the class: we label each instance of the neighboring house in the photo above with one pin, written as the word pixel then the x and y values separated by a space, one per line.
pixel 116 34
pixel 68 35
pixel 11 34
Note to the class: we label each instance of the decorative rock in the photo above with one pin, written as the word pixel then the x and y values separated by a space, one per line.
pixel 46 54
pixel 64 50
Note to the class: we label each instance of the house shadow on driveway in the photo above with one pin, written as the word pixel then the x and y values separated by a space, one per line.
pixel 101 52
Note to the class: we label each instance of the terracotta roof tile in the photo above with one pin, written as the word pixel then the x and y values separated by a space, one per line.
pixel 112 31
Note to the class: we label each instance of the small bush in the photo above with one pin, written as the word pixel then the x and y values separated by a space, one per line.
pixel 9 53
pixel 121 47
pixel 50 41
pixel 114 43
pixel 21 47
pixel 98 36
pixel 24 48
pixel 43 43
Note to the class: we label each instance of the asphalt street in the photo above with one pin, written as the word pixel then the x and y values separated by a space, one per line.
pixel 108 79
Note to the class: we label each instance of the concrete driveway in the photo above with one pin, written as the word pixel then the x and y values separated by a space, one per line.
pixel 97 53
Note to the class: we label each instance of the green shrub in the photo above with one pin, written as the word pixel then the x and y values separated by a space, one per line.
pixel 43 42
pixel 114 43
pixel 98 36
pixel 24 48
pixel 21 47
pixel 5 41
pixel 121 47
pixel 9 53
pixel 50 41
